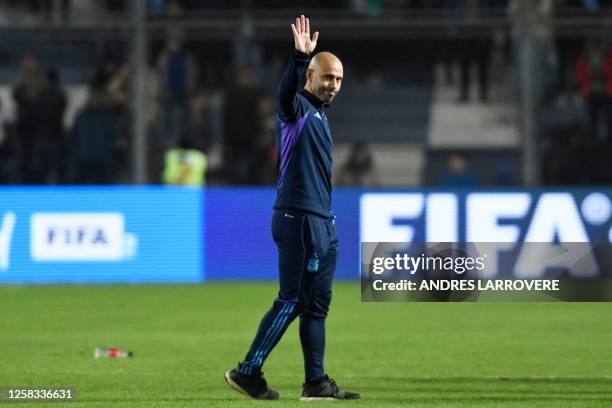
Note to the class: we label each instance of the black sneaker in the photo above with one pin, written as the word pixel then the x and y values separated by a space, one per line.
pixel 325 389
pixel 254 387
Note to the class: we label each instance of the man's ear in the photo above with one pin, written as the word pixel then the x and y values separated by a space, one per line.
pixel 309 74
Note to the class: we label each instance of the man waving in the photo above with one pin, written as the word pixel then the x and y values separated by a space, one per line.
pixel 303 226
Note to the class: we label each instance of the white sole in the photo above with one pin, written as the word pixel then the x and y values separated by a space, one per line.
pixel 235 386
pixel 312 399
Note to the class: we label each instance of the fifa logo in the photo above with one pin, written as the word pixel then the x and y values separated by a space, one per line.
pixel 565 228
pixel 80 237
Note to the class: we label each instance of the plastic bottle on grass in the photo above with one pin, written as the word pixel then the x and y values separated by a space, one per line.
pixel 112 352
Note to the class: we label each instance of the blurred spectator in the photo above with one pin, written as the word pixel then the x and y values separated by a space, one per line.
pixel 112 85
pixel 476 50
pixel 114 81
pixel 241 123
pixel 458 173
pixel 177 72
pixel 246 49
pixel 359 168
pixel 265 160
pixel 50 131
pixel 111 79
pixel 95 141
pixel 594 75
pixel 27 92
pixel 185 165
pixel 567 48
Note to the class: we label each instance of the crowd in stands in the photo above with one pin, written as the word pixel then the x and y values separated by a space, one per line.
pixel 37 148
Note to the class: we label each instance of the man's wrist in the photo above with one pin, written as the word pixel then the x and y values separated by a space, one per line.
pixel 300 56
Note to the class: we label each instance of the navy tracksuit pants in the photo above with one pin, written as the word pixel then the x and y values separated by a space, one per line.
pixel 307 247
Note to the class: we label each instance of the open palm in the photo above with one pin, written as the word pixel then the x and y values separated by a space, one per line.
pixel 301 35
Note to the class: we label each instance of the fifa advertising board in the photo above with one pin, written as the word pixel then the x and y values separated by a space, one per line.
pixel 167 234
pixel 100 235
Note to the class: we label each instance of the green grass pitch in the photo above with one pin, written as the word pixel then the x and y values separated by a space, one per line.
pixel 396 354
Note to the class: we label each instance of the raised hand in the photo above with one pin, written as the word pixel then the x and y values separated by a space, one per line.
pixel 301 35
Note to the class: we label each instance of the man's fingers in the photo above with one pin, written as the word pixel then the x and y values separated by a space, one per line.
pixel 302 25
pixel 315 36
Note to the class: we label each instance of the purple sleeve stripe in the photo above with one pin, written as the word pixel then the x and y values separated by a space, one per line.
pixel 290 132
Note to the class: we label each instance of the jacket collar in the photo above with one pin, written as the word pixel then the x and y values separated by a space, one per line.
pixel 313 99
